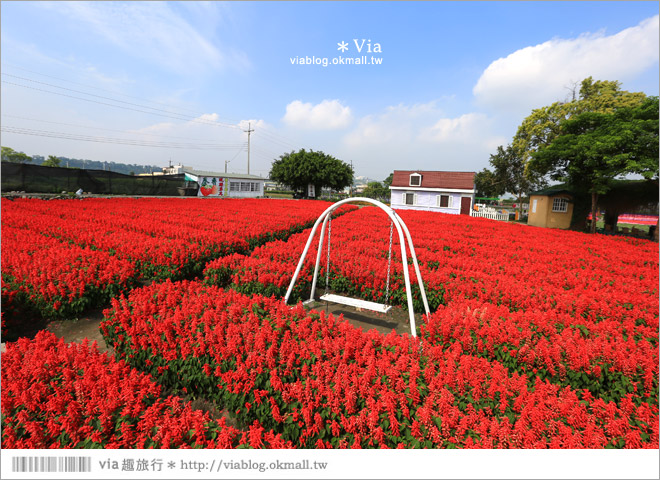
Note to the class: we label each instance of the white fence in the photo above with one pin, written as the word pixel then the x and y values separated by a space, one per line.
pixel 490 212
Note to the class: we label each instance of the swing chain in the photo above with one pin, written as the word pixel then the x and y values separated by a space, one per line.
pixel 327 264
pixel 389 264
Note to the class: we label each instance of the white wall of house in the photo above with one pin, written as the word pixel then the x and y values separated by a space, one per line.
pixel 427 201
pixel 239 188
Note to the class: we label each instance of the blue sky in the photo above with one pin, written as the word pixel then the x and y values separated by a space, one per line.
pixel 454 82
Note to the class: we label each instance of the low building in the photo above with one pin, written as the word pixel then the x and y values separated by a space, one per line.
pixel 551 207
pixel 214 184
pixel 436 191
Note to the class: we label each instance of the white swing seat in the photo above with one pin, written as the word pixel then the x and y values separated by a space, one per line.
pixel 356 302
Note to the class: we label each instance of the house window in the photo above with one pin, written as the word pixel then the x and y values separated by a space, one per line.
pixel 560 205
pixel 409 198
pixel 415 180
pixel 243 186
pixel 444 201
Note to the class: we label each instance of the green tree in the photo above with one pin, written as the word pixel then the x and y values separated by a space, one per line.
pixel 51 161
pixel 509 173
pixel 486 184
pixel 593 149
pixel 541 127
pixel 377 191
pixel 11 155
pixel 388 181
pixel 299 169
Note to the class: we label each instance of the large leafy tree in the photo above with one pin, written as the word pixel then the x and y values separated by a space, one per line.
pixel 299 169
pixel 11 155
pixel 542 127
pixel 487 184
pixel 510 175
pixel 388 181
pixel 51 161
pixel 377 191
pixel 592 149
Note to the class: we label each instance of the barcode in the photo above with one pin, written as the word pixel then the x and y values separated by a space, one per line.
pixel 51 464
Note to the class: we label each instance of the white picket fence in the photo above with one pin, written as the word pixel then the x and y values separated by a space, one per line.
pixel 489 212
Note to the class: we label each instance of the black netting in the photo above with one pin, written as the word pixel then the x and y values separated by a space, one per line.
pixel 38 179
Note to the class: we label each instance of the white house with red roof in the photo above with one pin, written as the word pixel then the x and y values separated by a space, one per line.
pixel 446 192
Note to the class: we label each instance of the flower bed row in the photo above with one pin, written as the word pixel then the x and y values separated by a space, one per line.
pixel 581 310
pixel 164 238
pixel 61 257
pixel 45 278
pixel 321 382
pixel 589 276
pixel 58 395
pixel 587 355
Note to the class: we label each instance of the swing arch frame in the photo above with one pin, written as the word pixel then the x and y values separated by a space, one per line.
pixel 404 235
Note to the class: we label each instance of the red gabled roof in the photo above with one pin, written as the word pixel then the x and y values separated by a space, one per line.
pixel 435 179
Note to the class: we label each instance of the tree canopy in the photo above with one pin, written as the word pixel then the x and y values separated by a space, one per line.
pixel 487 185
pixel 388 181
pixel 377 191
pixel 544 125
pixel 299 169
pixel 593 148
pixel 11 155
pixel 541 127
pixel 51 161
pixel 510 174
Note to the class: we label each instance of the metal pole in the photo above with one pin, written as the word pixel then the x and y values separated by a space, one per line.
pixel 249 131
pixel 318 257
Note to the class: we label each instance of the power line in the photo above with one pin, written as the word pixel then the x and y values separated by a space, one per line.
pixel 174 115
pixel 275 143
pixel 266 135
pixel 105 129
pixel 95 88
pixel 233 158
pixel 118 141
pixel 229 122
pixel 265 153
pixel 275 136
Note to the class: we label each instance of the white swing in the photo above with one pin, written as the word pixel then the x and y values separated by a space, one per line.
pixel 402 230
pixel 354 302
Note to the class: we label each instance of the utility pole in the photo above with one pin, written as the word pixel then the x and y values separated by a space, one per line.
pixel 248 131
pixel 227 161
pixel 350 190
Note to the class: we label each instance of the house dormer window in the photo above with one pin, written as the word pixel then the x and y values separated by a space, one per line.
pixel 415 180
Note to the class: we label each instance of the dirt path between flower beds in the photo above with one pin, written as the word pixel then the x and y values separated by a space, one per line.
pixel 79 329
pixel 88 326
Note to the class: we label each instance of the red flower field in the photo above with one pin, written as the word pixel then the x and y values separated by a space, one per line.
pixel 538 338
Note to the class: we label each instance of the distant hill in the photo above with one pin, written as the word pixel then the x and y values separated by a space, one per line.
pixel 125 168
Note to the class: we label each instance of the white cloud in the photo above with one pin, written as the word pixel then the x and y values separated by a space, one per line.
pixel 395 125
pixel 467 127
pixel 327 115
pixel 252 123
pixel 425 122
pixel 421 136
pixel 538 75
